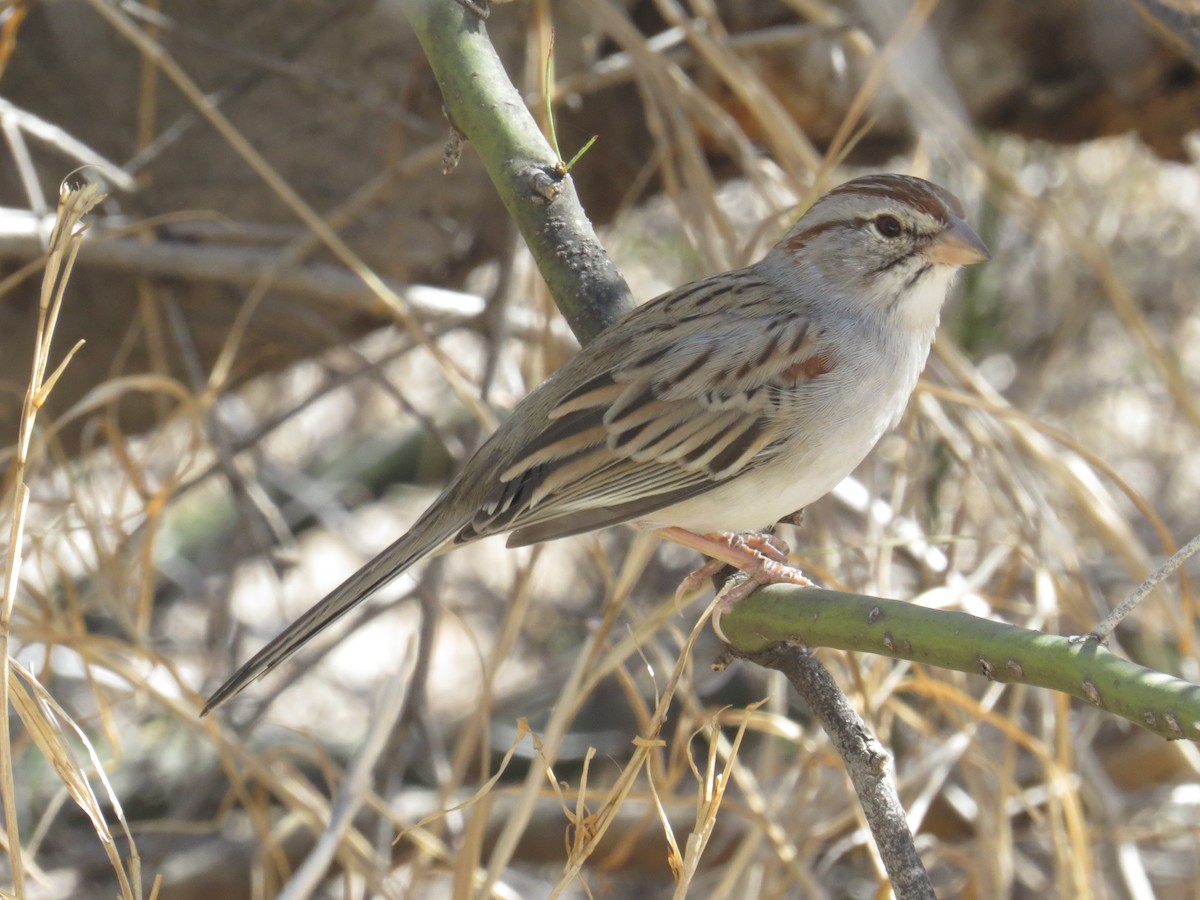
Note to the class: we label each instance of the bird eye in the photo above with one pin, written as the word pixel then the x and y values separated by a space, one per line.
pixel 888 226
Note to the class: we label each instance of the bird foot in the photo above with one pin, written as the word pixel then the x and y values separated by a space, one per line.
pixel 746 582
pixel 759 558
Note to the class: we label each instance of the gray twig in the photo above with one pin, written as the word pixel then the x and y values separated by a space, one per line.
pixel 866 760
pixel 1109 623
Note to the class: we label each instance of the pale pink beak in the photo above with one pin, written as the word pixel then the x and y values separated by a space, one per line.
pixel 958 245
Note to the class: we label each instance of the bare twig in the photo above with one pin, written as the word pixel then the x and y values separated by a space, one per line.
pixel 351 795
pixel 51 134
pixel 867 763
pixel 282 189
pixel 1102 631
pixel 246 266
pixel 1178 21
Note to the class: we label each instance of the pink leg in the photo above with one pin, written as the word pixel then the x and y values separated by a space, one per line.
pixel 762 558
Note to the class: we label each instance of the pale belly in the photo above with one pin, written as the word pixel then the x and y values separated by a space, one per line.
pixel 837 427
pixel 760 499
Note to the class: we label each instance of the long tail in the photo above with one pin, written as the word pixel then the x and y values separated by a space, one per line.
pixel 420 541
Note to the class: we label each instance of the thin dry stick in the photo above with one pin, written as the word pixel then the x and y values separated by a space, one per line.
pixel 1102 631
pixel 648 742
pixel 352 794
pixel 294 201
pixel 66 144
pixel 790 146
pixel 73 205
pixel 873 81
pixel 867 764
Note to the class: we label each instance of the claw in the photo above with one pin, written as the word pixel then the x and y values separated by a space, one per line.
pixel 760 559
pixel 739 586
pixel 747 581
pixel 481 8
pixel 697 580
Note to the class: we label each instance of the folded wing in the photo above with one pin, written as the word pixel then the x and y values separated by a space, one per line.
pixel 664 424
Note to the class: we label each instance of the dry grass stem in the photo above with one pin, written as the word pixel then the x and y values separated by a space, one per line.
pixel 74 204
pixel 294 201
pixel 564 733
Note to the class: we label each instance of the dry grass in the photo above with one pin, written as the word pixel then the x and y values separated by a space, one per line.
pixel 544 722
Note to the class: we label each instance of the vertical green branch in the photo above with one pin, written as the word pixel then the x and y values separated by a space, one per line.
pixel 529 176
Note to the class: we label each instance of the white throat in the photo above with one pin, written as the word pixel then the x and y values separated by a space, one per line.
pixel 921 309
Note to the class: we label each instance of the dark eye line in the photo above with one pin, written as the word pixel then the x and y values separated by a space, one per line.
pixel 892 230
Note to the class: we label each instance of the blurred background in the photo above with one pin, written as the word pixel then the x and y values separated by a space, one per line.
pixel 247 424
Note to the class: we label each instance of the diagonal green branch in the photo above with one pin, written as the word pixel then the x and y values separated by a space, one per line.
pixel 483 104
pixel 953 640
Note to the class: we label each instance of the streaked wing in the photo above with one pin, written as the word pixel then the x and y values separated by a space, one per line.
pixel 666 422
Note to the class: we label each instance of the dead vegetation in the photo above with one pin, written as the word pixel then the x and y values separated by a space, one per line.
pixel 545 722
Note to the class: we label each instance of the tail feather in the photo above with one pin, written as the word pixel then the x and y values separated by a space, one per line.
pixel 384 568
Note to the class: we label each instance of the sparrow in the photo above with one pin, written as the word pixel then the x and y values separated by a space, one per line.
pixel 714 409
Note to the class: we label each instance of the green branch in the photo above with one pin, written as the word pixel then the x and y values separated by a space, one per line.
pixel 482 103
pixel 817 617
